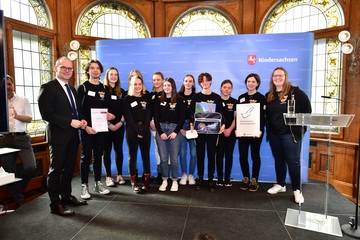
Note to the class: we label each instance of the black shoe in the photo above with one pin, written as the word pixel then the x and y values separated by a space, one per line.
pixel 199 183
pixel 61 210
pixel 228 183
pixel 253 187
pixel 245 184
pixel 73 201
pixel 211 186
pixel 220 183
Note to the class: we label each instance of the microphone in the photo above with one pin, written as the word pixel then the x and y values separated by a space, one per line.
pixel 326 97
pixel 338 99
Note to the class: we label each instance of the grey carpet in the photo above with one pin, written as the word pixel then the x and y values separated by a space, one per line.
pixel 229 213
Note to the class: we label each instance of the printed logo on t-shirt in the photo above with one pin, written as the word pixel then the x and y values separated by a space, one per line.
pixel 143 104
pixel 230 107
pixel 172 106
pixel 102 95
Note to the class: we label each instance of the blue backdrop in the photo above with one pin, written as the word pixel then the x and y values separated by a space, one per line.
pixel 224 57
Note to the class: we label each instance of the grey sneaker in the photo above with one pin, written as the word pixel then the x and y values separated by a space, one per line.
pixel 85 191
pixel 99 187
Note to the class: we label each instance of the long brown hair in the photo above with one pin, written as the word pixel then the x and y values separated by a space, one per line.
pixel 286 87
pixel 182 88
pixel 106 82
pixel 174 94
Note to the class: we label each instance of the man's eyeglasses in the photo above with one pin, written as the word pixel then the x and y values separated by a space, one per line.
pixel 66 69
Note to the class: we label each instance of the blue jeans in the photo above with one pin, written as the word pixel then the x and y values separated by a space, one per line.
pixel 183 151
pixel 168 149
pixel 286 153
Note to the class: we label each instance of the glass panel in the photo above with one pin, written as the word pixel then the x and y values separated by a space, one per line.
pixel 33 66
pixel 30 11
pixel 99 21
pixel 203 22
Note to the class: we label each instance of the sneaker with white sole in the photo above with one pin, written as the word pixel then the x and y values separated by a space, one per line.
pixel 120 180
pixel 85 191
pixel 174 186
pixel 299 198
pixel 183 179
pixel 191 179
pixel 109 182
pixel 99 187
pixel 163 186
pixel 276 189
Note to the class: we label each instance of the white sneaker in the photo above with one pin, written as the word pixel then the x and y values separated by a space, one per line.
pixel 191 179
pixel 99 187
pixel 120 180
pixel 276 189
pixel 183 179
pixel 299 198
pixel 85 191
pixel 163 186
pixel 109 182
pixel 174 186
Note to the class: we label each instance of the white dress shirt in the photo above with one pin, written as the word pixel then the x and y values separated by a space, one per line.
pixel 22 107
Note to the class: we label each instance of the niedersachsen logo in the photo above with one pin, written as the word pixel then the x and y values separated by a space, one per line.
pixel 252 59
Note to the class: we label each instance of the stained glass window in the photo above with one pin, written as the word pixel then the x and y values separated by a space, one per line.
pixel 204 21
pixel 304 16
pixel 107 20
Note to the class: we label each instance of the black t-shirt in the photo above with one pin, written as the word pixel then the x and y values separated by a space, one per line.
pixel 92 96
pixel 187 102
pixel 116 105
pixel 137 111
pixel 170 113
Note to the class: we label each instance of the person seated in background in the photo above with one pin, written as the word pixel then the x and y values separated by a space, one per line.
pixel 19 111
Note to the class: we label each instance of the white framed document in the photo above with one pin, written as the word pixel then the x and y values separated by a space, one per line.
pixel 248 120
pixel 99 119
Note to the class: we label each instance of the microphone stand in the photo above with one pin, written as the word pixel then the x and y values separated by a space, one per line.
pixel 352 228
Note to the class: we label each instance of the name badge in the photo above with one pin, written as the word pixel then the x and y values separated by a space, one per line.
pixel 163 104
pixel 91 93
pixel 242 100
pixel 134 104
pixel 113 97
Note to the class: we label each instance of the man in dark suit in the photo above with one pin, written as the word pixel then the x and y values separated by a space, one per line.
pixel 59 106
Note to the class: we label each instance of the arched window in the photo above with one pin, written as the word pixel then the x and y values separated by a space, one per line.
pixel 304 16
pixel 203 21
pixel 107 20
pixel 33 58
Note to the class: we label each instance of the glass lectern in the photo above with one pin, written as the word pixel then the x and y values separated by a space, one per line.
pixel 307 220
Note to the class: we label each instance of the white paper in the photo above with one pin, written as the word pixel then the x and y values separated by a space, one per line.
pixel 248 120
pixel 99 119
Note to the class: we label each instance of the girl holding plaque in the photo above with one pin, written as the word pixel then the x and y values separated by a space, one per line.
pixel 252 96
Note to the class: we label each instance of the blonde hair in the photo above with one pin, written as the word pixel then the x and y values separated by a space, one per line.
pixel 131 85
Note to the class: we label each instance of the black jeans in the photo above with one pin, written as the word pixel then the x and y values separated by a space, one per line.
pixel 210 142
pixel 133 143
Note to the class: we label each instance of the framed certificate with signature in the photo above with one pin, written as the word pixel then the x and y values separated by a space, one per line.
pixel 248 120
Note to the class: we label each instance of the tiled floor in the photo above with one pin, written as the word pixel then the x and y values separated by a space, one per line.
pixel 229 213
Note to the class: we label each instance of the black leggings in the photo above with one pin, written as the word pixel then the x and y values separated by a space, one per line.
pixel 133 143
pixel 254 144
pixel 210 140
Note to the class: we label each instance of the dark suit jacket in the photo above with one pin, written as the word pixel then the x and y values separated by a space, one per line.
pixel 55 108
